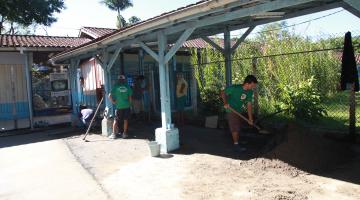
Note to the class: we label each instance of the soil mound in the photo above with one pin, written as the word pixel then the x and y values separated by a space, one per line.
pixel 303 150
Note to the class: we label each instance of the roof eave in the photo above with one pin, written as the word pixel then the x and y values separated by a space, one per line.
pixel 156 23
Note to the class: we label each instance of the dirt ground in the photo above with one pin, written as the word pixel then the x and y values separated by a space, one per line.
pixel 301 165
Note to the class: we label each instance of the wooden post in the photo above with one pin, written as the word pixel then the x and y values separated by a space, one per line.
pixel 256 95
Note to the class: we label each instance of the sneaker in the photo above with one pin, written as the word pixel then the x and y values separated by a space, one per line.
pixel 112 136
pixel 125 135
pixel 119 135
pixel 239 148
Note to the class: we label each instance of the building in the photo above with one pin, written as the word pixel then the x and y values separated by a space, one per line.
pixel 28 97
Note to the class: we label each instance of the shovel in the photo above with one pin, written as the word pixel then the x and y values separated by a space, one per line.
pixel 262 131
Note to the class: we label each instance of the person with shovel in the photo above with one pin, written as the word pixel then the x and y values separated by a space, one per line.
pixel 238 99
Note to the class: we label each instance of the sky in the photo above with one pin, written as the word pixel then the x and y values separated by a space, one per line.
pixel 79 13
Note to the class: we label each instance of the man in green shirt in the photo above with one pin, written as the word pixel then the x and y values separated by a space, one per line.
pixel 120 96
pixel 239 97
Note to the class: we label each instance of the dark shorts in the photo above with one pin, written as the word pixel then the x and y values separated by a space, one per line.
pixel 235 122
pixel 122 114
pixel 180 103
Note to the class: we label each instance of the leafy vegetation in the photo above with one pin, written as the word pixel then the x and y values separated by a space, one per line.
pixel 296 72
pixel 302 101
pixel 20 13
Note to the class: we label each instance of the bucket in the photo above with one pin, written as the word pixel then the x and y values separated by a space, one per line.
pixel 154 148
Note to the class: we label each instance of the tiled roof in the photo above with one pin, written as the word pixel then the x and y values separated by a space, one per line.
pixel 339 55
pixel 41 41
pixel 95 32
pixel 202 44
pixel 196 43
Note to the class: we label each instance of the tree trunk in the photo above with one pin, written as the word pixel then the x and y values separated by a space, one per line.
pixel 119 19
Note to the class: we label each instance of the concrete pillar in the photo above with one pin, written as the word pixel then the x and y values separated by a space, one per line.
pixel 167 136
pixel 164 83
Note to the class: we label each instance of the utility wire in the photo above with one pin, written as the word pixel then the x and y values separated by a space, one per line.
pixel 276 55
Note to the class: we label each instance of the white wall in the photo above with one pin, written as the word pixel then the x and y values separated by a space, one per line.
pixel 12 58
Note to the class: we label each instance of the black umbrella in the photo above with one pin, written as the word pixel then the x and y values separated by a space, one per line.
pixel 349 77
pixel 349 74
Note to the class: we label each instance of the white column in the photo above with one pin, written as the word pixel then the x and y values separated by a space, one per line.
pixel 167 136
pixel 164 83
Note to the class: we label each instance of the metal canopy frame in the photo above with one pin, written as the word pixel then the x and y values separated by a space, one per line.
pixel 200 20
pixel 227 14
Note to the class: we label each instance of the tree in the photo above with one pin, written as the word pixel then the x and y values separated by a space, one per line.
pixel 25 13
pixel 118 5
pixel 134 20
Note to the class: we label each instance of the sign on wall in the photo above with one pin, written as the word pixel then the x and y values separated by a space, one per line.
pixel 59 84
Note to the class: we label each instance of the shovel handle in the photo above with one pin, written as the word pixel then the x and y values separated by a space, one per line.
pixel 243 117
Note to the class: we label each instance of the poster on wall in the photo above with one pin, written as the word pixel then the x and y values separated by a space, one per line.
pixel 59 84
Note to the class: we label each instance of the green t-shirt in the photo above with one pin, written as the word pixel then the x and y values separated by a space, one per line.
pixel 120 93
pixel 238 98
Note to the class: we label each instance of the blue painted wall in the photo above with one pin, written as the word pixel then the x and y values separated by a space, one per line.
pixel 6 111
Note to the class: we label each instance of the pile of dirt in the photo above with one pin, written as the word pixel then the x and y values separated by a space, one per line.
pixel 303 151
pixel 264 164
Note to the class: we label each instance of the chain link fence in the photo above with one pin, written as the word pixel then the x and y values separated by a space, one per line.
pixel 287 63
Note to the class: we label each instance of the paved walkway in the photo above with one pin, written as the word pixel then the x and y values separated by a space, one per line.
pixel 43 170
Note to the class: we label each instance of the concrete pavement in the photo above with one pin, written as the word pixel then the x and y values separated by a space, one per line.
pixel 44 170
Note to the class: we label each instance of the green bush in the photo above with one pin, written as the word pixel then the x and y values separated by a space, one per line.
pixel 302 101
pixel 211 102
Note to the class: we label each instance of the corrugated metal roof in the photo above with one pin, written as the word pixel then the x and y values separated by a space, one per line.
pixel 41 41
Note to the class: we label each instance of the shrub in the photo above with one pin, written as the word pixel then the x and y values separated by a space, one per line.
pixel 302 101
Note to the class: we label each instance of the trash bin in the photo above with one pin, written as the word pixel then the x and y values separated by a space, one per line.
pixel 154 148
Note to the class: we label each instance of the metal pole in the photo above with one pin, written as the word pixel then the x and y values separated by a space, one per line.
pixel 227 55
pixel 352 128
pixel 29 89
pixel 256 95
pixel 141 61
pixel 13 97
